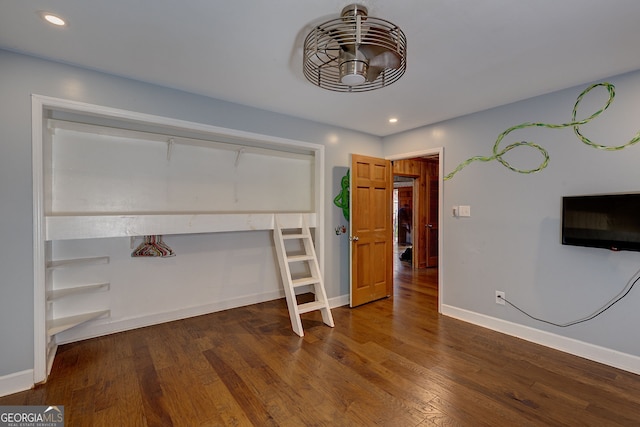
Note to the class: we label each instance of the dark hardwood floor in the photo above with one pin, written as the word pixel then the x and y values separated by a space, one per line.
pixel 394 362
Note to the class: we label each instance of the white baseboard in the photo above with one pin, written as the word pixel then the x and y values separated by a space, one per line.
pixel 616 359
pixel 339 301
pixel 108 326
pixel 18 381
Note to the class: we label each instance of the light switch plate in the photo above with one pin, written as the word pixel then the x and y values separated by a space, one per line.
pixel 464 210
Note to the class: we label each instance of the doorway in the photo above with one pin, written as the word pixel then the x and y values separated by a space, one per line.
pixel 424 172
pixel 403 188
pixel 416 209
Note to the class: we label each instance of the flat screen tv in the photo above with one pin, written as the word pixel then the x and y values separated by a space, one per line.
pixel 610 221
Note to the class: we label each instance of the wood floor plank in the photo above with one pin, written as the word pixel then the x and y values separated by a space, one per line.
pixel 224 410
pixel 284 380
pixel 250 404
pixel 297 373
pixel 154 408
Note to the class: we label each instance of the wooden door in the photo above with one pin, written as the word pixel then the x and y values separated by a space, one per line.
pixel 432 221
pixel 371 238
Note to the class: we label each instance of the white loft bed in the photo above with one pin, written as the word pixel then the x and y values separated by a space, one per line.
pixel 194 179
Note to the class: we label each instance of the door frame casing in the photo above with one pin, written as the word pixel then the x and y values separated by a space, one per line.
pixel 430 152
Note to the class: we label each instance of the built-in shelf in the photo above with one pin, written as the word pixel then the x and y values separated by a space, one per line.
pixel 58 325
pixel 52 347
pixel 62 324
pixel 76 290
pixel 64 227
pixel 77 262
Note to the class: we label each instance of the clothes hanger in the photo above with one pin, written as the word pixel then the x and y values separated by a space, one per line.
pixel 153 246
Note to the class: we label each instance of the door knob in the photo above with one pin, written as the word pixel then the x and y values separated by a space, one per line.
pixel 354 238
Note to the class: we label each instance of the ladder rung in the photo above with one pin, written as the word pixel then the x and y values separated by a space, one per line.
pixel 304 281
pixel 295 236
pixel 297 258
pixel 311 306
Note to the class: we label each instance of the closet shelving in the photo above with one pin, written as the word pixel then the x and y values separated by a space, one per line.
pixel 62 324
pixel 56 325
pixel 103 173
pixel 53 295
pixel 56 294
pixel 77 262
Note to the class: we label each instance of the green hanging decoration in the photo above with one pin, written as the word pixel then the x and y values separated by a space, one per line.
pixel 342 199
pixel 499 153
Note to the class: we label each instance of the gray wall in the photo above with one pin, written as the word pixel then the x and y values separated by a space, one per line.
pixel 511 242
pixel 21 76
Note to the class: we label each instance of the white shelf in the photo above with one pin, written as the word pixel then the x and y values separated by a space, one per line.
pixel 77 262
pixel 64 227
pixel 52 348
pixel 62 324
pixel 60 293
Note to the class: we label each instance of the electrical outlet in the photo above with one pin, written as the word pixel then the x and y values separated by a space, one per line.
pixel 500 297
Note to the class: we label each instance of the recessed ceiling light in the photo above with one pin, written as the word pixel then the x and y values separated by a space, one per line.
pixel 393 120
pixel 53 19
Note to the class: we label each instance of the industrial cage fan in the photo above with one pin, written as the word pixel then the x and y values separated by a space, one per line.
pixel 355 53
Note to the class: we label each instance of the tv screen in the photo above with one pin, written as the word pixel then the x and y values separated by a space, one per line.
pixel 609 221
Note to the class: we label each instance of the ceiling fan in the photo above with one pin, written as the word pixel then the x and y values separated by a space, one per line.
pixel 355 53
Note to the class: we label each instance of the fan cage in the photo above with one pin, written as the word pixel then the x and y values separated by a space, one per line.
pixel 323 44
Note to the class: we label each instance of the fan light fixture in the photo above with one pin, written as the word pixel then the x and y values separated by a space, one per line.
pixel 355 53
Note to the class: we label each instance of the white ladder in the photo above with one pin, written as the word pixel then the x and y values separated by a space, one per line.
pixel 301 233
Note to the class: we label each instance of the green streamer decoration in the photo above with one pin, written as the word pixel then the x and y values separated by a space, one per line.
pixel 342 199
pixel 499 153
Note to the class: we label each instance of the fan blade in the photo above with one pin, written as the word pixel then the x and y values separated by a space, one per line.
pixel 380 61
pixel 378 47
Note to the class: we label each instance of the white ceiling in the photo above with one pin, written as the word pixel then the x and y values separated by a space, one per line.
pixel 463 55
